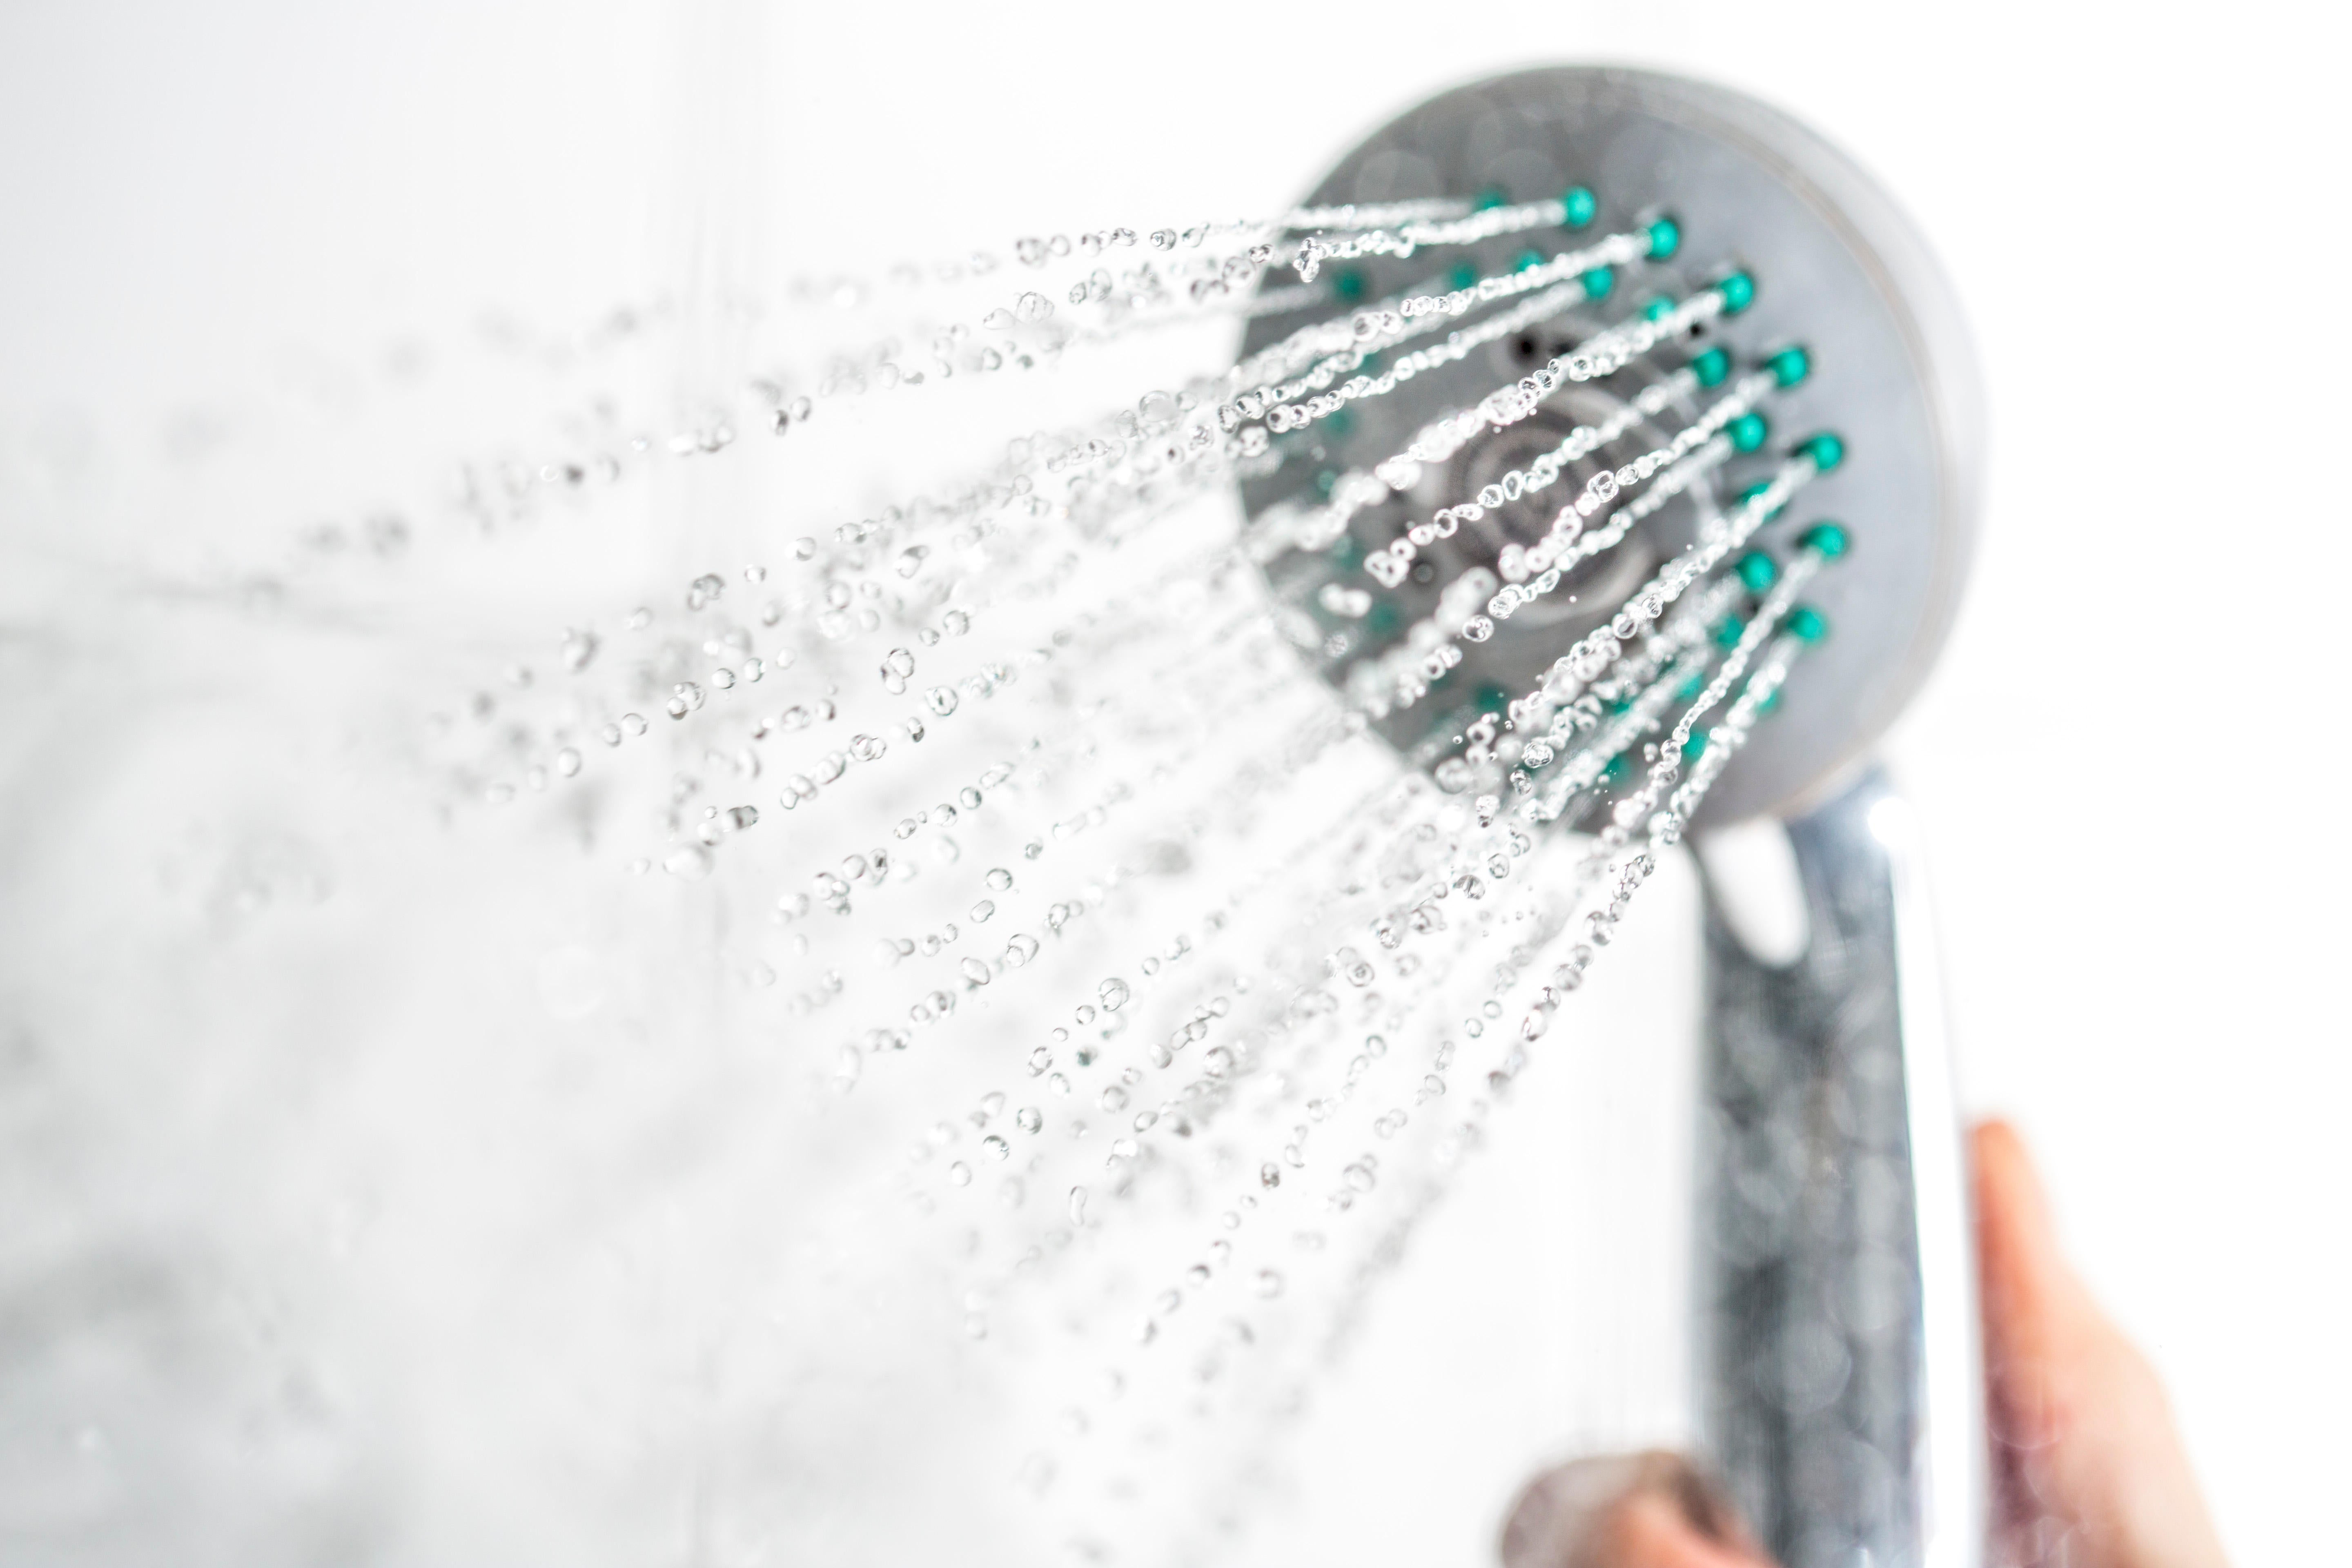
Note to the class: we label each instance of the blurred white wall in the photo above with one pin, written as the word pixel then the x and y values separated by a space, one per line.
pixel 2129 765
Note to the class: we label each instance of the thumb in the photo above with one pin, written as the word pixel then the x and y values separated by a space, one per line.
pixel 2089 1464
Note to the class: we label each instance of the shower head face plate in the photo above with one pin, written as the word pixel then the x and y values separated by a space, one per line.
pixel 1837 269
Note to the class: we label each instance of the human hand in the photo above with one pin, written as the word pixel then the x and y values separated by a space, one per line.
pixel 2088 1467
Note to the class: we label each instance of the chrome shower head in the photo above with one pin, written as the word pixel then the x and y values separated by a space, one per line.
pixel 1703 364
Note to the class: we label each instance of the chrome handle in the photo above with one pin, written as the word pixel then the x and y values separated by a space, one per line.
pixel 1840 1397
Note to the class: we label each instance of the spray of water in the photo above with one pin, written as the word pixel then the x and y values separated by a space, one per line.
pixel 1105 999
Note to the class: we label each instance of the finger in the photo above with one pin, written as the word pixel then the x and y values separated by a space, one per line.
pixel 2029 1292
pixel 2088 1446
pixel 1649 1532
pixel 1627 1511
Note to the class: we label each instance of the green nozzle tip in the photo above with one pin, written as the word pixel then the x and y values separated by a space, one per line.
pixel 1527 258
pixel 1826 540
pixel 1728 630
pixel 1620 704
pixel 1598 282
pixel 1711 367
pixel 1805 623
pixel 1325 479
pixel 1657 308
pixel 1492 699
pixel 1694 744
pixel 1738 292
pixel 1690 689
pixel 1492 196
pixel 1747 432
pixel 1770 703
pixel 1340 423
pixel 1665 238
pixel 1464 276
pixel 1348 284
pixel 1580 206
pixel 1827 450
pixel 1757 570
pixel 1616 769
pixel 1790 366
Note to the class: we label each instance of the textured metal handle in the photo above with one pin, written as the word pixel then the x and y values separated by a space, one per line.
pixel 1840 1390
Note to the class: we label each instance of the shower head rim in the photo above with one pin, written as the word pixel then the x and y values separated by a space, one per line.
pixel 1848 208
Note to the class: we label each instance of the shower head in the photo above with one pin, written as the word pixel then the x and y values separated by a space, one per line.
pixel 1816 257
pixel 1615 391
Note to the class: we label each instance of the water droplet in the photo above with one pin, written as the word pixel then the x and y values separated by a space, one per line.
pixel 994 1147
pixel 567 761
pixel 1078 1205
pixel 1112 993
pixel 982 911
pixel 960 1174
pixel 1000 878
pixel 1269 1284
pixel 1029 1119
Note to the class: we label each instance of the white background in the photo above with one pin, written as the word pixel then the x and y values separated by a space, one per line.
pixel 2129 764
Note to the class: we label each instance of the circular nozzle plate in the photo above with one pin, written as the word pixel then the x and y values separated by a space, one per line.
pixel 1837 269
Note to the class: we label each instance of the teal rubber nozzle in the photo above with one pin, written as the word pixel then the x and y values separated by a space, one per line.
pixel 1747 432
pixel 1826 540
pixel 1757 570
pixel 1711 367
pixel 1738 292
pixel 1790 365
pixel 1665 238
pixel 1598 282
pixel 1827 450
pixel 1581 205
pixel 1807 624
